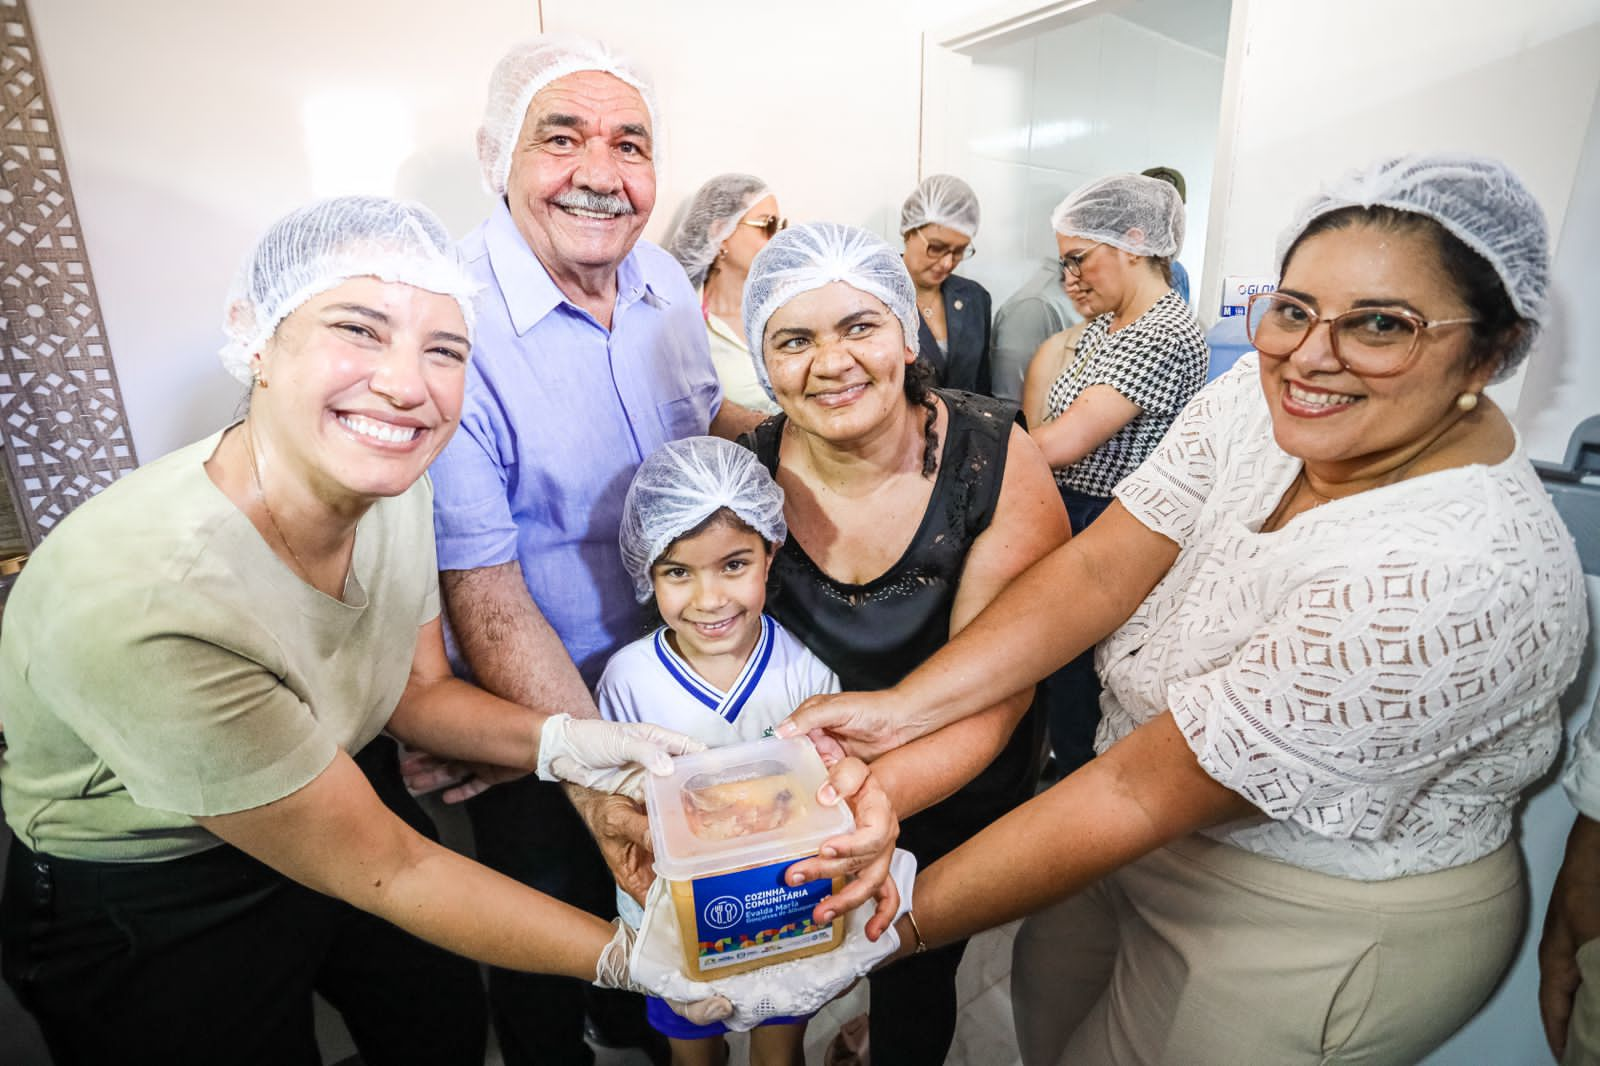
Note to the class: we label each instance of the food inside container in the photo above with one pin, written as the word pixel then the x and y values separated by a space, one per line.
pixel 726 825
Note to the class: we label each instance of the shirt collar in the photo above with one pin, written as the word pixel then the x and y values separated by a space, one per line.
pixel 526 285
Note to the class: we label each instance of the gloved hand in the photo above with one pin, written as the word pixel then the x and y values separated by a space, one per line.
pixel 607 756
pixel 782 989
pixel 612 972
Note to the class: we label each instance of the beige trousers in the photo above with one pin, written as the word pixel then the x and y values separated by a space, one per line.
pixel 1201 954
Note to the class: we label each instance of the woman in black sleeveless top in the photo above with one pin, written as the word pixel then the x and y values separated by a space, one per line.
pixel 908 511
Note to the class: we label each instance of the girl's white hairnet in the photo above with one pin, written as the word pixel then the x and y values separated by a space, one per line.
pixel 713 215
pixel 526 69
pixel 320 245
pixel 682 484
pixel 941 200
pixel 1128 211
pixel 1477 200
pixel 807 257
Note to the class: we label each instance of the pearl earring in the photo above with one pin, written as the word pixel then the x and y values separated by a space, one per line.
pixel 1467 401
pixel 257 379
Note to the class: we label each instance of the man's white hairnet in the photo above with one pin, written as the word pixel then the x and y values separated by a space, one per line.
pixel 318 246
pixel 682 484
pixel 713 215
pixel 941 200
pixel 1477 200
pixel 1128 211
pixel 808 257
pixel 526 69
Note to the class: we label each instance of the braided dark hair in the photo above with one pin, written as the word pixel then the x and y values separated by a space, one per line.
pixel 919 391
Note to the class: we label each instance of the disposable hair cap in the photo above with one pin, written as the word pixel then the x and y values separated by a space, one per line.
pixel 318 246
pixel 807 257
pixel 1477 200
pixel 526 69
pixel 682 484
pixel 941 200
pixel 1128 211
pixel 713 215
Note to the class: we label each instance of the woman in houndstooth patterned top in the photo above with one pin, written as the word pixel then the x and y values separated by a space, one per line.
pixel 1338 611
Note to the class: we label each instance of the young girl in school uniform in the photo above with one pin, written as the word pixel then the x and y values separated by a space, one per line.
pixel 700 524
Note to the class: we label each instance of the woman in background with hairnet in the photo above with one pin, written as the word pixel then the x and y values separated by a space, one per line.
pixel 1137 361
pixel 908 510
pixel 730 219
pixel 939 221
pixel 209 822
pixel 1337 611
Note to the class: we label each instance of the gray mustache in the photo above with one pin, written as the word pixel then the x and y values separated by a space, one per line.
pixel 584 200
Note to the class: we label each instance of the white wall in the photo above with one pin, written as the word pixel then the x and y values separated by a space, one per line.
pixel 1049 111
pixel 189 125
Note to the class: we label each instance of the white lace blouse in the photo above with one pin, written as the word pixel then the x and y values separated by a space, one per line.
pixel 1380 675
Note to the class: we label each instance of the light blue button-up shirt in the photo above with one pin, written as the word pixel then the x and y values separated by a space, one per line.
pixel 559 413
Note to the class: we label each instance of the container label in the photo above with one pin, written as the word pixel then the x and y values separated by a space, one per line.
pixel 1238 288
pixel 753 914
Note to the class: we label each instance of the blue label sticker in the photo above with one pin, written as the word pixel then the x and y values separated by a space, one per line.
pixel 753 914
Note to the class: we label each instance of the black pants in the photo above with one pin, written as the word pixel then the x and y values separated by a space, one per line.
pixel 529 831
pixel 1071 695
pixel 213 958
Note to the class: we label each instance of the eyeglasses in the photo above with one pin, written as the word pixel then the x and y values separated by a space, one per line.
pixel 938 250
pixel 772 225
pixel 1073 264
pixel 1375 342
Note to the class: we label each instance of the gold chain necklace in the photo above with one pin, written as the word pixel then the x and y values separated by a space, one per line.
pixel 261 494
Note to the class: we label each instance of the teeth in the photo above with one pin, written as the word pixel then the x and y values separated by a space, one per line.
pixel 585 213
pixel 1318 399
pixel 371 427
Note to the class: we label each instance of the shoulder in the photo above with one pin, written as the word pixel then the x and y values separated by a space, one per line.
pixel 628 662
pixel 970 412
pixel 663 273
pixel 967 289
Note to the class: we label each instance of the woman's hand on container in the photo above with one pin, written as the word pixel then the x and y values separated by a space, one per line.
pixel 863 855
pixel 622 831
pixel 613 970
pixel 865 724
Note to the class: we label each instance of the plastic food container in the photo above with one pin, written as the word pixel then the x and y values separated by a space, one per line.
pixel 725 825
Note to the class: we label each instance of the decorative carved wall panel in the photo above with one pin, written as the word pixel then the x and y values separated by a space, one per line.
pixel 63 434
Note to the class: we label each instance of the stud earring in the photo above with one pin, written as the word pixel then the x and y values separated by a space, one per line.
pixel 1467 401
pixel 257 379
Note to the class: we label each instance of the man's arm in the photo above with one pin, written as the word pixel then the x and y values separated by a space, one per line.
pixel 515 654
pixel 733 421
pixel 512 650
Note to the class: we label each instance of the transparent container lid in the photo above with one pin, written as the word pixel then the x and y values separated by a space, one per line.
pixel 740 806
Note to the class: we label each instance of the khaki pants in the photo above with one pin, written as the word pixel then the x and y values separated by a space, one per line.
pixel 1201 953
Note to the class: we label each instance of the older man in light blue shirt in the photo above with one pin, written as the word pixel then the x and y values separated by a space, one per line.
pixel 590 354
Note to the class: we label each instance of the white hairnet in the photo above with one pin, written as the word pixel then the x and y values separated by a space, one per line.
pixel 320 245
pixel 526 69
pixel 682 484
pixel 1478 200
pixel 941 200
pixel 713 215
pixel 1128 211
pixel 807 257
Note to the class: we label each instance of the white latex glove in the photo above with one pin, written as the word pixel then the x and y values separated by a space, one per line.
pixel 607 755
pixel 612 972
pixel 782 989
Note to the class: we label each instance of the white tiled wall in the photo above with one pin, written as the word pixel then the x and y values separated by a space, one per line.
pixel 1049 112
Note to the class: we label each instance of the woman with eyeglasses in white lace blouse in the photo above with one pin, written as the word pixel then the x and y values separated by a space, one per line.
pixel 1337 610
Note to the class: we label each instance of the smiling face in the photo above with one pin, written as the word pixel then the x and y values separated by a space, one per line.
pixel 838 359
pixel 364 388
pixel 710 587
pixel 746 240
pixel 933 252
pixel 583 178
pixel 1342 424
